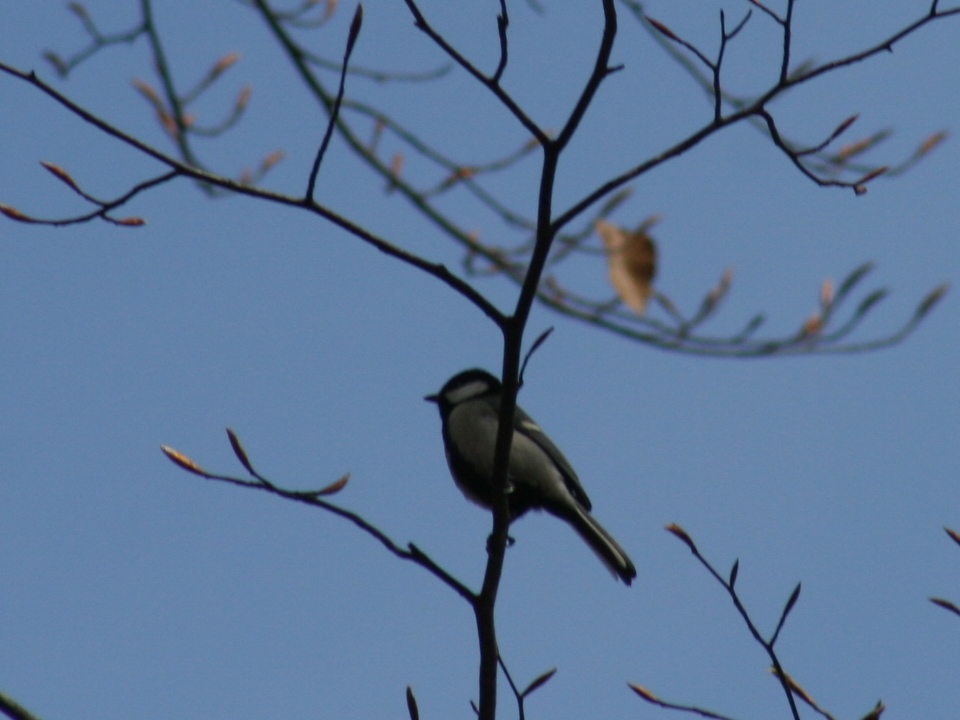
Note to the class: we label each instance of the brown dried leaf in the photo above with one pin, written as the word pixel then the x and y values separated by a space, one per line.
pixel 132 221
pixel 632 263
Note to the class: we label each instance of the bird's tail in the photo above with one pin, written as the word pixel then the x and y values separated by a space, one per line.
pixel 600 541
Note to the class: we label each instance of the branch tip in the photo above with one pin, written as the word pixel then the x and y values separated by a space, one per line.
pixel 643 692
pixel 178 458
pixel 682 534
pixel 335 487
pixel 240 452
pixel 61 174
pixel 412 705
pixel 663 29
pixel 539 682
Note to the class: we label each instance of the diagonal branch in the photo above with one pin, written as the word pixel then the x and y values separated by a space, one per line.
pixel 314 498
pixel 601 69
pixel 335 111
pixel 438 271
pixel 493 85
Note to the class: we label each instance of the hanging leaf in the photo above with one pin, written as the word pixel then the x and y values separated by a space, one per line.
pixel 632 262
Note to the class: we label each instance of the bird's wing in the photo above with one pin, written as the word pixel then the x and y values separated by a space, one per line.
pixel 524 424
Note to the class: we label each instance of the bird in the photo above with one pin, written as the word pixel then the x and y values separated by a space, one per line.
pixel 539 477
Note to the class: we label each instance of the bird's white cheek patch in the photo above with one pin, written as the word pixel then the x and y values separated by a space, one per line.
pixel 473 389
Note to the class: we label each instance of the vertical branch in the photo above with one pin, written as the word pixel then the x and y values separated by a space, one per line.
pixel 717 96
pixel 601 69
pixel 166 79
pixel 503 20
pixel 335 111
pixel 513 329
pixel 787 32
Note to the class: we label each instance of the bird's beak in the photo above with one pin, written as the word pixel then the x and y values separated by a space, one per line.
pixel 432 398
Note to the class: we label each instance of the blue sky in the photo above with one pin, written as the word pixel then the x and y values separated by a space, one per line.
pixel 133 589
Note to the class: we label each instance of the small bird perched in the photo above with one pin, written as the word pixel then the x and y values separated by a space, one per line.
pixel 538 475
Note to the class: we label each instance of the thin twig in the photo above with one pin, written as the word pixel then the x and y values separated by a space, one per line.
pixel 502 95
pixel 437 270
pixel 503 21
pixel 351 42
pixel 748 621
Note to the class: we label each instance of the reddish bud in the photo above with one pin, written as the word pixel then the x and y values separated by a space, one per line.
pixel 334 488
pixel 931 142
pixel 844 125
pixel 643 692
pixel 270 160
pixel 60 174
pixel 872 174
pixel 813 325
pixel 14 214
pixel 244 98
pixel 178 458
pixel 826 293
pixel 223 63
pixel 682 534
pixel 663 28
